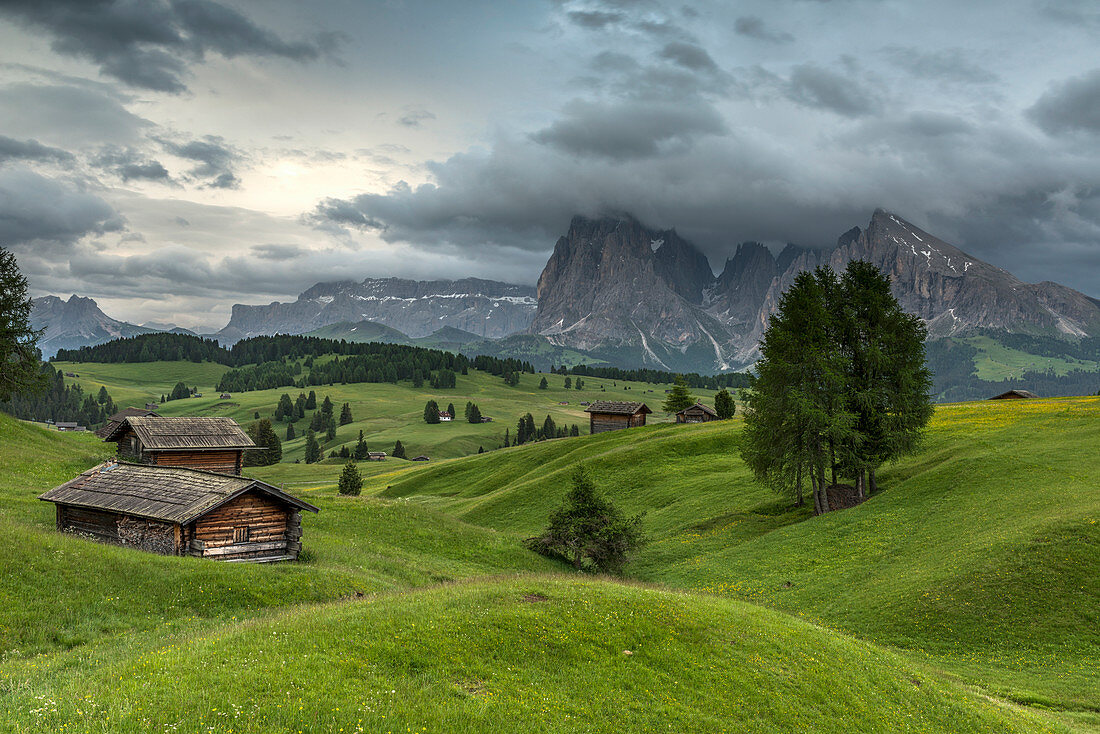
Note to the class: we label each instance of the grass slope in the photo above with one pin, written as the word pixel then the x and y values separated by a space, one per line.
pixel 536 654
pixel 61 591
pixel 980 552
pixel 996 361
pixel 384 412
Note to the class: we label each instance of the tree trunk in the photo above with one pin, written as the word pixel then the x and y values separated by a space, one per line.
pixel 859 484
pixel 816 493
pixel 799 501
pixel 832 460
pixel 873 485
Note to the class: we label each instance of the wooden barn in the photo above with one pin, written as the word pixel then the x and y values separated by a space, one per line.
pixel 611 415
pixel 1014 395
pixel 213 444
pixel 182 512
pixel 697 413
pixel 114 421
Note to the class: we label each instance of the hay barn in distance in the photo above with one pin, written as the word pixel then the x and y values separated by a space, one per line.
pixel 1015 395
pixel 697 413
pixel 181 512
pixel 213 444
pixel 611 415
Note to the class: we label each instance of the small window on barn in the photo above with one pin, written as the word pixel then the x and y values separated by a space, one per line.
pixel 240 535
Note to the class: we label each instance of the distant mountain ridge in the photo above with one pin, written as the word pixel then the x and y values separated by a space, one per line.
pixel 75 323
pixel 416 308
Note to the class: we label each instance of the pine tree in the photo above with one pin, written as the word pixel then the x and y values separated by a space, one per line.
pixel 574 431
pixel 481 449
pixel 313 449
pixel 345 414
pixel 317 422
pixel 679 397
pixel 311 401
pixel 579 383
pixel 269 447
pixel 549 429
pixel 507 439
pixel 724 405
pixel 568 383
pixel 285 409
pixel 330 433
pixel 398 450
pixel 290 435
pixel 473 414
pixel 431 412
pixel 543 384
pixel 360 448
pixel 103 397
pixel 451 410
pixel 18 341
pixel 351 483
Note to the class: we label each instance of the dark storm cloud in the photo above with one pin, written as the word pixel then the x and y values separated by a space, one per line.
pixel 31 150
pixel 130 164
pixel 1070 106
pixel 815 86
pixel 951 65
pixel 628 129
pixel 755 27
pixel 43 214
pixel 149 44
pixel 215 160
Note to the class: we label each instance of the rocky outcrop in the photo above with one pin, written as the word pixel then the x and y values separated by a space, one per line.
pixel 75 323
pixel 614 287
pixel 417 308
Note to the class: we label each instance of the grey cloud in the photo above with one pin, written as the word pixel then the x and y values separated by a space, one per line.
pixel 414 117
pixel 31 150
pixel 278 252
pixel 67 115
pixel 1070 106
pixel 951 65
pixel 594 19
pixel 39 211
pixel 150 44
pixel 628 129
pixel 814 86
pixel 688 55
pixel 215 160
pixel 754 27
pixel 129 164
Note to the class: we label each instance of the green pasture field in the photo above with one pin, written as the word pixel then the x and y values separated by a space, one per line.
pixel 995 361
pixel 962 597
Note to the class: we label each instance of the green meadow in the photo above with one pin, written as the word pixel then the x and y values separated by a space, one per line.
pixel 995 361
pixel 961 597
pixel 384 412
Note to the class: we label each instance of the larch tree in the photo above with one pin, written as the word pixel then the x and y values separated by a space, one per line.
pixel 679 397
pixel 724 405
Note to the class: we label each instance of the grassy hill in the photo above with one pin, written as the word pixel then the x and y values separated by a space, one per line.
pixel 384 412
pixel 981 552
pixel 978 558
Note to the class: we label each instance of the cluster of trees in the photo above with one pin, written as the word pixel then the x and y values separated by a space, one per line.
pixel 511 379
pixel 270 448
pixel 527 431
pixel 841 386
pixel 265 376
pixel 473 413
pixel 47 397
pixel 179 392
pixel 158 347
pixel 680 397
pixel 697 381
pixel 569 383
pixel 588 531
pixel 499 367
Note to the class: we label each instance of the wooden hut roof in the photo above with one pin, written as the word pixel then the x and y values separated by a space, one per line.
pixel 705 408
pixel 617 408
pixel 167 493
pixel 120 416
pixel 1015 393
pixel 185 433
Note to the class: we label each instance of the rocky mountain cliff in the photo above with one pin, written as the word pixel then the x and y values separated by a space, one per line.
pixel 618 289
pixel 75 323
pixel 486 308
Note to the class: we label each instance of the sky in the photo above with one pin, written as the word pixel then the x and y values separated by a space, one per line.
pixel 170 158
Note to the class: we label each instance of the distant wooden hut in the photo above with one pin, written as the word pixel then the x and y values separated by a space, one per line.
pixel 376 456
pixel 213 444
pixel 120 416
pixel 181 512
pixel 613 415
pixel 697 413
pixel 421 458
pixel 69 426
pixel 1014 395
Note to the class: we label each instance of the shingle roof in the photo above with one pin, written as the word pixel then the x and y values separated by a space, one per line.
pixel 705 408
pixel 1018 393
pixel 120 416
pixel 616 407
pixel 167 493
pixel 181 433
